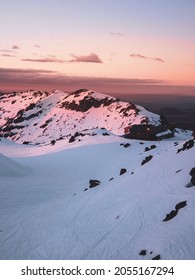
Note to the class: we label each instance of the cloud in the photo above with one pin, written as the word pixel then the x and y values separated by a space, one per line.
pixel 15 47
pixel 37 46
pixel 93 58
pixel 158 59
pixel 15 71
pixel 7 51
pixel 136 55
pixel 116 34
pixel 8 55
pixel 50 59
pixel 18 74
pixel 53 59
pixel 13 79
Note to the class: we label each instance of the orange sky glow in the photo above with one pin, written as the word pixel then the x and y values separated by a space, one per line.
pixel 131 49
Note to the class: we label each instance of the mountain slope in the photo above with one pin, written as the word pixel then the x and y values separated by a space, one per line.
pixel 11 168
pixel 86 192
pixel 53 212
pixel 40 117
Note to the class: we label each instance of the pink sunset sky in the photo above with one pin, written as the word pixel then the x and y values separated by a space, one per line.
pixel 115 46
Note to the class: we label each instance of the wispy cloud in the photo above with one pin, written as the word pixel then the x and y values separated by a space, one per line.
pixel 158 59
pixel 50 59
pixel 12 79
pixel 7 51
pixel 15 47
pixel 93 58
pixel 137 55
pixel 23 70
pixel 37 46
pixel 8 55
pixel 116 34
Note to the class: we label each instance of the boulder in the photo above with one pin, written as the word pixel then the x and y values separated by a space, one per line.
pixel 53 142
pixel 94 183
pixel 156 257
pixel 126 145
pixel 181 205
pixel 105 134
pixel 192 174
pixel 122 171
pixel 174 213
pixel 152 147
pixel 170 216
pixel 192 171
pixel 72 139
pixel 146 160
pixel 193 180
pixel 142 252
pixel 186 146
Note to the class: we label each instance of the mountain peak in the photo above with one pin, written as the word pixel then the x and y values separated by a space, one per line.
pixel 40 116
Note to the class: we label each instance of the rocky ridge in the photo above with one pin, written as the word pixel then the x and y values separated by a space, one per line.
pixel 40 117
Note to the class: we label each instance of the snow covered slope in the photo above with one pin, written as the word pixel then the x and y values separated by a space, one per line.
pixel 40 117
pixel 10 168
pixel 74 204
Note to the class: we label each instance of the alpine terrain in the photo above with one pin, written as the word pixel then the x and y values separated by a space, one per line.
pixel 86 176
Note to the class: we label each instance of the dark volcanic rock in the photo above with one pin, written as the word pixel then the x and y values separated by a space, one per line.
pixel 174 213
pixel 26 143
pixel 146 160
pixel 126 145
pixel 192 171
pixel 30 107
pixel 186 146
pixel 192 174
pixel 152 147
pixel 178 171
pixel 142 252
pixel 72 139
pixel 170 216
pixel 156 257
pixel 122 171
pixel 94 183
pixel 53 142
pixel 181 205
pixel 105 134
pixel 87 102
pixel 193 180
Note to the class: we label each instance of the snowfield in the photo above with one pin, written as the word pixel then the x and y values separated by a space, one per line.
pixel 49 211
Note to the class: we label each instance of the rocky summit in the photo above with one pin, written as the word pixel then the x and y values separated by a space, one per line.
pixel 39 117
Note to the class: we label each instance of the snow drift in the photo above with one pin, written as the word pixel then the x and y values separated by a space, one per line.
pixel 10 168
